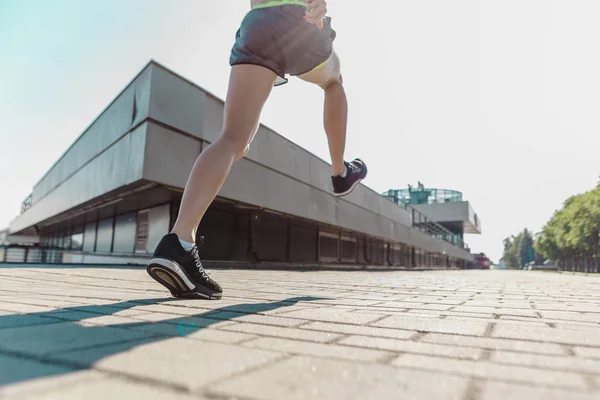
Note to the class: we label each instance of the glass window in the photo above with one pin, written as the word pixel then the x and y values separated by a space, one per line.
pixel 104 236
pixel 66 239
pixel 77 238
pixel 158 225
pixel 89 237
pixel 125 233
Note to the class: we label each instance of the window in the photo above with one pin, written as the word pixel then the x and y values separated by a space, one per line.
pixel 77 238
pixel 104 237
pixel 328 246
pixel 125 233
pixel 89 237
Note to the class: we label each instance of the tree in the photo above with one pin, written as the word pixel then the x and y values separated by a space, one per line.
pixel 572 236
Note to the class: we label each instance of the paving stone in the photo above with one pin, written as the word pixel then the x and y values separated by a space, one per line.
pixel 516 312
pixel 193 332
pixel 360 330
pixel 46 383
pixel 180 361
pixel 107 320
pixel 488 370
pixel 15 370
pixel 476 310
pixel 308 378
pixel 44 339
pixel 26 308
pixel 418 306
pixel 595 328
pixel 318 349
pixel 287 333
pixel 571 316
pixel 547 335
pixel 564 363
pixel 590 352
pixel 441 326
pixel 503 391
pixel 412 347
pixel 508 322
pixel 113 388
pixel 328 315
pixel 258 319
pixel 8 320
pixel 467 315
pixel 271 317
pixel 495 344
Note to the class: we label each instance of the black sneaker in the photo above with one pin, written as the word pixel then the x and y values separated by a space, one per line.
pixel 181 271
pixel 356 171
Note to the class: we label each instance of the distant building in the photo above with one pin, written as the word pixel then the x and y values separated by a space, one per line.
pixel 441 206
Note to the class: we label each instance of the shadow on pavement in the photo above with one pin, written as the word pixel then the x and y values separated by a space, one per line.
pixel 29 341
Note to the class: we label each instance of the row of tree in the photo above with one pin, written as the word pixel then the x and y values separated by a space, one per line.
pixel 571 238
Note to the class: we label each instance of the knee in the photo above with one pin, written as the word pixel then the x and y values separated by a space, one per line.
pixel 338 81
pixel 235 145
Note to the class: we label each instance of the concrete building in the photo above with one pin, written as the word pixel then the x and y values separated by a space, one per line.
pixel 116 191
pixel 443 207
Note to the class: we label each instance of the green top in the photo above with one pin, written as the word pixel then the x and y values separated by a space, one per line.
pixel 275 3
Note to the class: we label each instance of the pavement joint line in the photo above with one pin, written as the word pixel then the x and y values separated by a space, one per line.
pixel 306 322
pixel 486 355
pixel 391 353
pixel 417 337
pixel 217 396
pixel 591 383
pixel 569 350
pixel 76 367
pixel 507 380
pixel 474 388
pixel 282 356
pixel 544 369
pixel 337 340
pixel 391 357
pixel 376 320
pixel 489 330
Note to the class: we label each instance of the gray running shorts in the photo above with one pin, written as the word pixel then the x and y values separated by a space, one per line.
pixel 278 38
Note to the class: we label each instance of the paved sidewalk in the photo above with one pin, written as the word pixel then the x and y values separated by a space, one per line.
pixel 97 333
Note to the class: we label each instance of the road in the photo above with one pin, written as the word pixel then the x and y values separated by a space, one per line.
pixel 82 332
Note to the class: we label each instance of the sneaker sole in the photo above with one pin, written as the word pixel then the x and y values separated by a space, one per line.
pixel 347 192
pixel 172 276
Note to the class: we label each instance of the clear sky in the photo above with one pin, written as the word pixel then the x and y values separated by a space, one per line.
pixel 497 99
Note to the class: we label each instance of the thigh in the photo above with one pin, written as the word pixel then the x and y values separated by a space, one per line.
pixel 249 88
pixel 326 73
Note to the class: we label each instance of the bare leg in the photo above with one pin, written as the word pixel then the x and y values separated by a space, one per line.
pixel 249 88
pixel 335 110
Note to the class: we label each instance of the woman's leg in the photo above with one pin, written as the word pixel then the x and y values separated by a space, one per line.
pixel 249 88
pixel 335 116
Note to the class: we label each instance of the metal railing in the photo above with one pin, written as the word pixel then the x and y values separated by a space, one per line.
pixel 30 254
pixel 423 224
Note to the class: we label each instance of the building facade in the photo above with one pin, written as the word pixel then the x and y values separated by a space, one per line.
pixel 443 207
pixel 116 191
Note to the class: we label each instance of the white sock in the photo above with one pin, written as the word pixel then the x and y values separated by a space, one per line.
pixel 186 245
pixel 345 171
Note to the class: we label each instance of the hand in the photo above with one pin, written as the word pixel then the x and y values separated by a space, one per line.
pixel 315 11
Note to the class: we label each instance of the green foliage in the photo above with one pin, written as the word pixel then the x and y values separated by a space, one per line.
pixel 519 250
pixel 573 232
